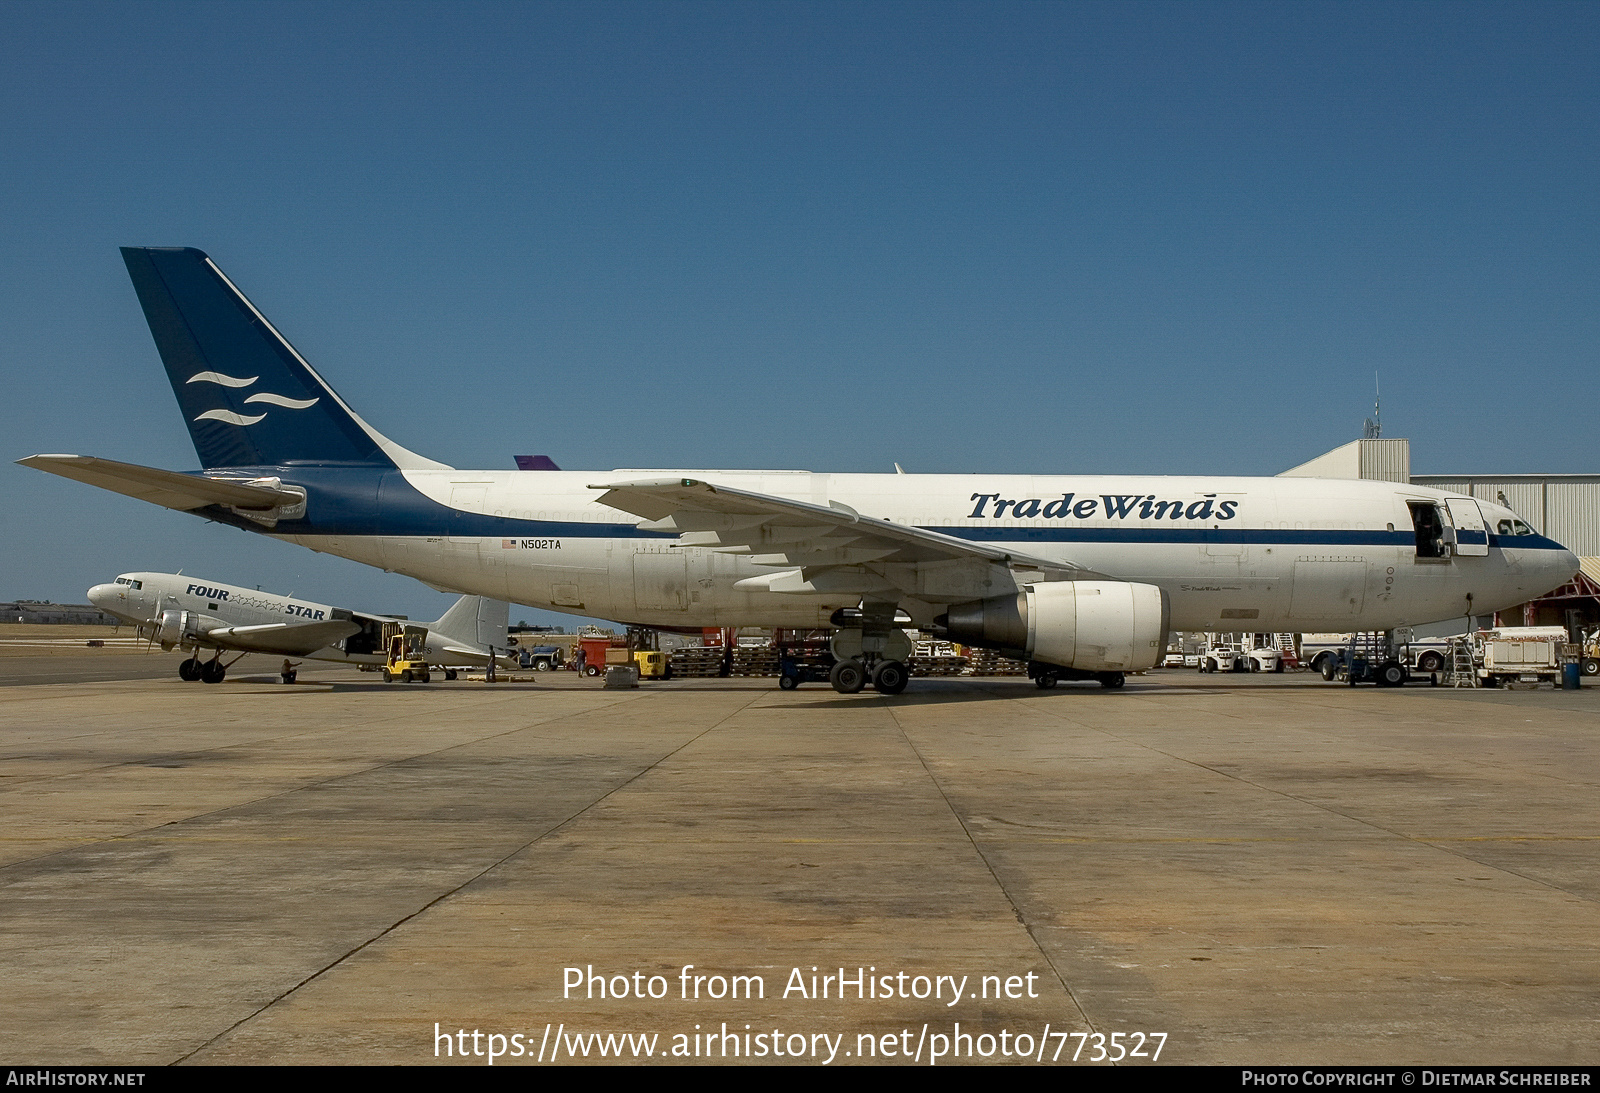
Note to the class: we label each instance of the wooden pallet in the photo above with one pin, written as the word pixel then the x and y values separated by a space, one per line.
pixel 697 662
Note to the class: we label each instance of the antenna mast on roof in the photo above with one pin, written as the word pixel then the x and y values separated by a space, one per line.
pixel 1373 428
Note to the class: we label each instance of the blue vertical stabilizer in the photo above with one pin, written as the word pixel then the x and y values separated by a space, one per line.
pixel 248 398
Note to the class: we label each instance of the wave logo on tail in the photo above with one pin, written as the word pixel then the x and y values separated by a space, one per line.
pixel 267 397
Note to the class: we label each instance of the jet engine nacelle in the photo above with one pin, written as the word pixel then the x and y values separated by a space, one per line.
pixel 176 627
pixel 1094 626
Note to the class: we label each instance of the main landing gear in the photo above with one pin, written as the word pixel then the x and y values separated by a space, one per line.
pixel 889 677
pixel 206 671
pixel 873 650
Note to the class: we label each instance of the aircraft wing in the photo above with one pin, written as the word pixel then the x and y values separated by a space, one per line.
pixel 291 639
pixel 170 489
pixel 827 548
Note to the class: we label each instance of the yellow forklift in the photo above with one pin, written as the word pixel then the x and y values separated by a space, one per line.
pixel 652 665
pixel 406 652
pixel 648 660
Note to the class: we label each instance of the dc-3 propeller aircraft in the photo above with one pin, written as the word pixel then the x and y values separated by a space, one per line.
pixel 1080 575
pixel 197 616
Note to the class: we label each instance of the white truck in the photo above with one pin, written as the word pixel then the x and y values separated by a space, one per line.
pixel 1519 654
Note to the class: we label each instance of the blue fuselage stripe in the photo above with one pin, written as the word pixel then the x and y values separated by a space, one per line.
pixel 366 500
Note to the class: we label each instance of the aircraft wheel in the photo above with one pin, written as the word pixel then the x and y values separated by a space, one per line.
pixel 848 677
pixel 1591 666
pixel 189 670
pixel 788 683
pixel 212 671
pixel 890 677
pixel 449 673
pixel 1045 680
pixel 1112 680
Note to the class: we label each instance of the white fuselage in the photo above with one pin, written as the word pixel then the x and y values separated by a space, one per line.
pixel 1232 554
pixel 140 598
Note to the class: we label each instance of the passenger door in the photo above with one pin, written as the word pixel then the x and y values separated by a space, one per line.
pixel 1472 537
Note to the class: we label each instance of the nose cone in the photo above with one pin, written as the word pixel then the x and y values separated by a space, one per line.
pixel 1569 565
pixel 1549 569
pixel 105 596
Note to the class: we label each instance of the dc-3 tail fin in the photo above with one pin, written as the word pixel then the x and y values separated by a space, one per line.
pixel 248 397
pixel 476 622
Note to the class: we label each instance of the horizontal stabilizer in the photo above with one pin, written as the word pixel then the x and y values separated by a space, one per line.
pixel 476 656
pixel 170 489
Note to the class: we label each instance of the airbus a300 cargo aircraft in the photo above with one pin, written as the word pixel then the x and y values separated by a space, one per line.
pixel 1081 575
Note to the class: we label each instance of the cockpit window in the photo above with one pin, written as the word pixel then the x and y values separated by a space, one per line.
pixel 1514 527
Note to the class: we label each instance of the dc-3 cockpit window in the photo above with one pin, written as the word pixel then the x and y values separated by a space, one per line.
pixel 130 583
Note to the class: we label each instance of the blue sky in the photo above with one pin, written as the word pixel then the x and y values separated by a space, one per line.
pixel 1048 238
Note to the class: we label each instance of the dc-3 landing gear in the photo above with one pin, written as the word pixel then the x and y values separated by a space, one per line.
pixel 206 671
pixel 870 647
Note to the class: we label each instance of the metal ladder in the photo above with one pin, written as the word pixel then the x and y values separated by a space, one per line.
pixel 1462 671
